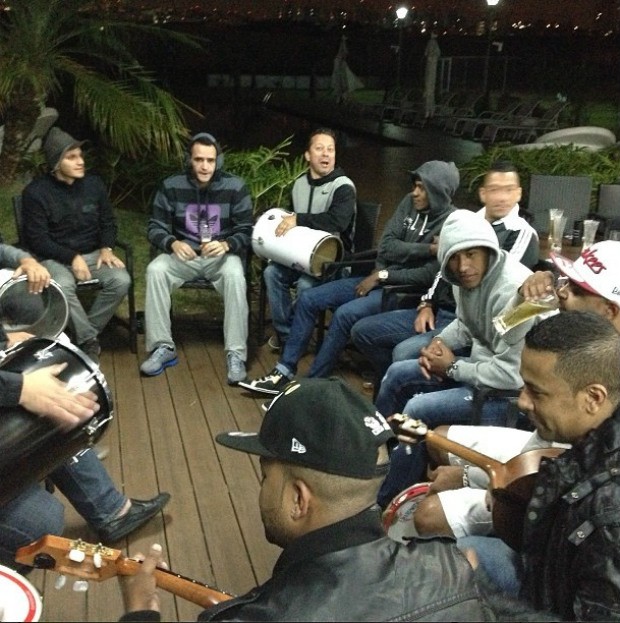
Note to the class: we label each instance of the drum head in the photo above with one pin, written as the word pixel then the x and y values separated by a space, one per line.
pixel 43 315
pixel 398 516
pixel 19 600
pixel 328 250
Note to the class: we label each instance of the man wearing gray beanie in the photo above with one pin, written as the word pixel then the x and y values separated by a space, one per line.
pixel 69 225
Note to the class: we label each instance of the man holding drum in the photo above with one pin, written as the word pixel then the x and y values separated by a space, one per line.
pixel 84 481
pixel 202 220
pixel 323 199
pixel 407 255
pixel 69 225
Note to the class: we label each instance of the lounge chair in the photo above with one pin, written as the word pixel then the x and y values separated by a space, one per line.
pixel 526 129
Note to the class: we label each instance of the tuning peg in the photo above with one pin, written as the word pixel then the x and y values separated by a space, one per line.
pixel 80 586
pixel 77 555
pixel 97 560
pixel 61 580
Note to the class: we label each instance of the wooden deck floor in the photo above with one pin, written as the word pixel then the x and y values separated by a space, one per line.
pixel 163 439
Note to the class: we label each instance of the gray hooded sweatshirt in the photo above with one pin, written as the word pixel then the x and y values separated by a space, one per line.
pixel 405 246
pixel 493 361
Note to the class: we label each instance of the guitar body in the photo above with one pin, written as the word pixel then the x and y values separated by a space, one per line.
pixel 511 483
pixel 511 497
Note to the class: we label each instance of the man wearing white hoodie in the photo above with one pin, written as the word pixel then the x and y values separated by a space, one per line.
pixel 438 387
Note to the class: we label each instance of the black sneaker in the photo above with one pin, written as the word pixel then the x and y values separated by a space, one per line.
pixel 273 383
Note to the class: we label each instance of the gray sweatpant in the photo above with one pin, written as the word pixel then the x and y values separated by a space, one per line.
pixel 167 273
pixel 115 284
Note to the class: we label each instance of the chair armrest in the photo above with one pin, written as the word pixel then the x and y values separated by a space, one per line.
pixel 391 294
pixel 364 259
pixel 128 250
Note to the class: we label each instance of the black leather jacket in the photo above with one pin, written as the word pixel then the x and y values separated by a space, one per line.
pixel 572 530
pixel 351 571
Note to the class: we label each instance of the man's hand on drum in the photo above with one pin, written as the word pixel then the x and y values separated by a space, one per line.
pixel 214 248
pixel 38 276
pixel 435 358
pixel 80 269
pixel 365 286
pixel 287 223
pixel 140 590
pixel 47 396
pixel 445 477
pixel 538 285
pixel 107 258
pixel 183 251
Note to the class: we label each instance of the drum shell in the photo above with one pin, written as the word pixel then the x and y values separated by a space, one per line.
pixel 50 308
pixel 19 599
pixel 31 446
pixel 398 516
pixel 301 248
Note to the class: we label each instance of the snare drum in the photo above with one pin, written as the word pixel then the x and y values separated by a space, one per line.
pixel 43 315
pixel 19 599
pixel 31 446
pixel 301 248
pixel 398 516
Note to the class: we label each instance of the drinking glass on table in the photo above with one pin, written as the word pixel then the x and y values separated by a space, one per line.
pixel 589 233
pixel 556 234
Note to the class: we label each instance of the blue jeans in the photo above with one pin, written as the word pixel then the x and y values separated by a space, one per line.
pixel 35 512
pixel 501 564
pixel 337 295
pixel 279 280
pixel 436 402
pixel 387 337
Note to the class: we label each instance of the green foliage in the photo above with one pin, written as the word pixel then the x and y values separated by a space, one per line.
pixel 602 166
pixel 268 173
pixel 49 47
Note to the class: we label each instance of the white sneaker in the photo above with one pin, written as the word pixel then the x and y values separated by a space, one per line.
pixel 162 357
pixel 236 368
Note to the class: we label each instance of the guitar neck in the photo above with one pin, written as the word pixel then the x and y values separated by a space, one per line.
pixel 493 468
pixel 200 594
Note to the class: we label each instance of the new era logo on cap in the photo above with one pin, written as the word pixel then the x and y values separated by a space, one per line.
pixel 297 446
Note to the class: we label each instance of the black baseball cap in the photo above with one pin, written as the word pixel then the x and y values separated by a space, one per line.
pixel 322 424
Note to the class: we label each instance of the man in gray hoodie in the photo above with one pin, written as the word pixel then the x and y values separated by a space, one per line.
pixel 407 255
pixel 438 387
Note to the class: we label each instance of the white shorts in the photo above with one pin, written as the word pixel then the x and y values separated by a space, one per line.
pixel 466 509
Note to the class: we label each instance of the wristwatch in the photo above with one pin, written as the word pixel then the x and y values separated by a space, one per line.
pixel 383 275
pixel 451 369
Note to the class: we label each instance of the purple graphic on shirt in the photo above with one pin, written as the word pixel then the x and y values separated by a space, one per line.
pixel 195 214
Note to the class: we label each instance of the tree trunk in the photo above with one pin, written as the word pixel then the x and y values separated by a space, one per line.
pixel 20 118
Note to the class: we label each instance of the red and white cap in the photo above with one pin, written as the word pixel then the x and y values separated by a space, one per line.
pixel 595 270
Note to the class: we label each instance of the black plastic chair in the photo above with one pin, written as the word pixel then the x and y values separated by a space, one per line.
pixel 131 323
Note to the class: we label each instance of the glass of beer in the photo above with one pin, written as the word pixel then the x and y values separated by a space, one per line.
pixel 517 315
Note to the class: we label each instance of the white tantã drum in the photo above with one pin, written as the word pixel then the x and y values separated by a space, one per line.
pixel 398 516
pixel 301 248
pixel 43 315
pixel 19 599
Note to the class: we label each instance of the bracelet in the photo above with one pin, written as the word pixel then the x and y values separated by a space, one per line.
pixel 466 475
pixel 422 305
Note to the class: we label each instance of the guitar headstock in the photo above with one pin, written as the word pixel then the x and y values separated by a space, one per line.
pixel 71 557
pixel 404 425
